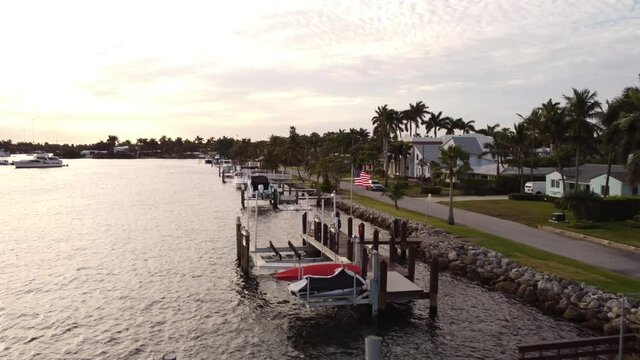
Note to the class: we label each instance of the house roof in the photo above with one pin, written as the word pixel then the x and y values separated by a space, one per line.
pixel 428 150
pixel 468 144
pixel 512 170
pixel 589 171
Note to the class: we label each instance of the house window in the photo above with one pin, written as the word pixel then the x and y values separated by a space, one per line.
pixel 634 190
pixel 604 190
pixel 555 184
pixel 417 157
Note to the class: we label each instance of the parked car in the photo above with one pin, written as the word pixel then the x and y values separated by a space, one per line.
pixel 374 185
pixel 535 187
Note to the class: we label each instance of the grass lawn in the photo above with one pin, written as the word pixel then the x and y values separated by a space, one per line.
pixel 523 254
pixel 534 213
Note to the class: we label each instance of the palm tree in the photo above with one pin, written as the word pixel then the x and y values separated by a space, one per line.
pixel 581 107
pixel 455 162
pixel 489 131
pixel 112 141
pixel 385 125
pixel 415 115
pixel 518 144
pixel 532 124
pixel 554 124
pixel 465 126
pixel 630 124
pixel 434 122
pixel 396 192
pixel 610 137
pixel 450 125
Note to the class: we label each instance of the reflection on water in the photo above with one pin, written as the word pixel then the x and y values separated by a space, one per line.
pixel 135 258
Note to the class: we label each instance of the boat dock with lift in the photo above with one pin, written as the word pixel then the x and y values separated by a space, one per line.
pixel 385 280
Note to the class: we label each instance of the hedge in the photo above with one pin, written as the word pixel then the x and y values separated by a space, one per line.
pixel 433 190
pixel 618 208
pixel 526 197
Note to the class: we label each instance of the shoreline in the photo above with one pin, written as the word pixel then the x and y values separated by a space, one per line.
pixel 558 297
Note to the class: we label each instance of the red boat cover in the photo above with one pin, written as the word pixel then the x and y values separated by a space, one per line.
pixel 294 274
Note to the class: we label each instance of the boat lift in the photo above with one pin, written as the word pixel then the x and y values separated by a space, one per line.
pixel 387 282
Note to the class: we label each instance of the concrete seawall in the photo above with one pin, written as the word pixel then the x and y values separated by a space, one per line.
pixel 571 300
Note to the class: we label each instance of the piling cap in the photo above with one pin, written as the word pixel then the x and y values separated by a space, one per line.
pixel 169 356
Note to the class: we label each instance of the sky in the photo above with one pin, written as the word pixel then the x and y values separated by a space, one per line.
pixel 78 71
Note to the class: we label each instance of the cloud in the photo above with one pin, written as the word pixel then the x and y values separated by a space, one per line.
pixel 260 67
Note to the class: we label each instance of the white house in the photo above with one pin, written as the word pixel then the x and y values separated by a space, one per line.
pixel 591 177
pixel 91 153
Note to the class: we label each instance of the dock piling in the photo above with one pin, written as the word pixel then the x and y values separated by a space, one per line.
pixel 373 347
pixel 382 291
pixel 364 261
pixel 433 289
pixel 242 198
pixel 411 264
pixel 376 239
pixel 304 223
pixel 238 237
pixel 404 231
pixel 325 234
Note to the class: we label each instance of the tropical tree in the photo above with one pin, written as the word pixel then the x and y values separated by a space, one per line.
pixel 555 126
pixel 581 106
pixel 630 124
pixel 455 162
pixel 399 150
pixel 611 135
pixel 434 122
pixel 414 116
pixel 385 124
pixel 112 141
pixel 533 127
pixel 396 192
pixel 465 126
pixel 295 149
pixel 518 147
pixel 450 125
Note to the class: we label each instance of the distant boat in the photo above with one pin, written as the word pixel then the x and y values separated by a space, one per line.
pixel 4 162
pixel 241 179
pixel 39 161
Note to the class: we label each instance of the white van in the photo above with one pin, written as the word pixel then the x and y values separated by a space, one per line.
pixel 535 187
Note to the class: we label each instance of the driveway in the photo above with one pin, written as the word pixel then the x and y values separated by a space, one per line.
pixel 612 259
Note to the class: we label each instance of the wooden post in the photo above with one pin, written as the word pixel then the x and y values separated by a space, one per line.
pixel 350 248
pixel 275 200
pixel 382 297
pixel 361 232
pixel 376 239
pixel 373 348
pixel 325 240
pixel 289 186
pixel 411 266
pixel 238 237
pixel 316 228
pixel 404 232
pixel 246 254
pixel 433 289
pixel 304 223
pixel 223 180
pixel 332 236
pixel 392 249
pixel 350 227
pixel 242 198
pixel 297 196
pixel 365 261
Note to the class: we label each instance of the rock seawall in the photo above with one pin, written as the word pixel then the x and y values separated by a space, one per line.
pixel 574 301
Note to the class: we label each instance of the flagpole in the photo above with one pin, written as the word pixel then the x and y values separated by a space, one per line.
pixel 351 202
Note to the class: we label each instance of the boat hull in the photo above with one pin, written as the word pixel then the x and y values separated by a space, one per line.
pixel 293 274
pixel 19 165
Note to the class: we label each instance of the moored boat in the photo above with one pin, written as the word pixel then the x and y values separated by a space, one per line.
pixel 39 161
pixel 297 273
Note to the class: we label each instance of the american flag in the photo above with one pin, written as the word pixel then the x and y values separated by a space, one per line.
pixel 363 179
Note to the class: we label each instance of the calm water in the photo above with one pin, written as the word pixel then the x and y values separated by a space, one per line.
pixel 129 259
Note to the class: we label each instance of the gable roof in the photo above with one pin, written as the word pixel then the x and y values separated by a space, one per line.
pixel 589 171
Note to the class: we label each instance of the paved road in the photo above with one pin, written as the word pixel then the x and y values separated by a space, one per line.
pixel 598 255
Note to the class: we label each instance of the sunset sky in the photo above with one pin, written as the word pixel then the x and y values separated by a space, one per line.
pixel 77 71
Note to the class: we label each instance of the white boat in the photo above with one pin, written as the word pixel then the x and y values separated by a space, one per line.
pixel 228 170
pixel 39 161
pixel 4 162
pixel 241 179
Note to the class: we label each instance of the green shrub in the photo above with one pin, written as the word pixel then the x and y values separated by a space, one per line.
pixel 632 223
pixel 585 205
pixel 478 186
pixel 618 208
pixel 508 185
pixel 433 190
pixel 526 197
pixel 582 224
